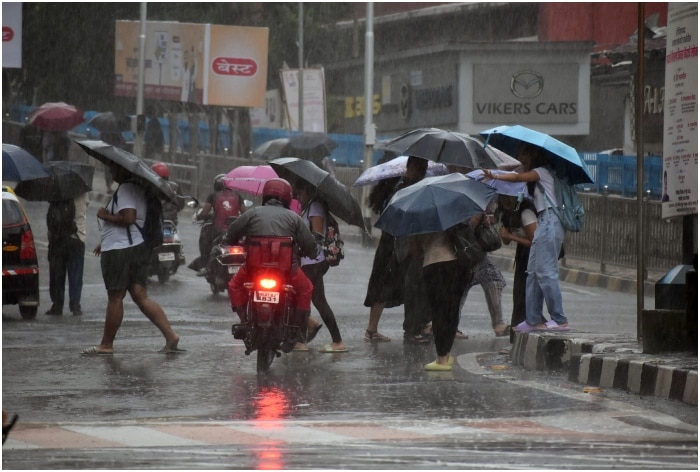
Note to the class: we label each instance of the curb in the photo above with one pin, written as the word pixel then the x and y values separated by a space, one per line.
pixel 609 361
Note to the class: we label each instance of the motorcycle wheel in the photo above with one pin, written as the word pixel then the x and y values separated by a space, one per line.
pixel 163 275
pixel 214 288
pixel 265 357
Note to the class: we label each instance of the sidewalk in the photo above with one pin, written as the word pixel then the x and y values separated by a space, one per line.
pixel 594 360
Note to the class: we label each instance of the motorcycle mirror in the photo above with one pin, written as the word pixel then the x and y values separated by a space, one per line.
pixel 247 203
pixel 192 202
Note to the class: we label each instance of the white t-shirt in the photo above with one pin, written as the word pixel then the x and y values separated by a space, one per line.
pixel 128 195
pixel 314 209
pixel 547 181
pixel 527 217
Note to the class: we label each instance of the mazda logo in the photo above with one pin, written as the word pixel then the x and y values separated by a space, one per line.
pixel 526 84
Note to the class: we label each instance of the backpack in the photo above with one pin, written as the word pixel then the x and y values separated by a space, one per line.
pixel 152 230
pixel 570 210
pixel 227 203
pixel 60 219
pixel 333 245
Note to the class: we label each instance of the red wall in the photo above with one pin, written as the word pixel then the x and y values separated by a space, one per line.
pixel 607 24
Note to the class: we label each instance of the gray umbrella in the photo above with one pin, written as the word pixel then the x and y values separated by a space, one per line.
pixel 66 180
pixel 434 204
pixel 141 172
pixel 339 199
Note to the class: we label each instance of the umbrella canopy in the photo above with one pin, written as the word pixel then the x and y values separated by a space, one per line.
pixel 309 145
pixel 503 161
pixel 446 147
pixel 19 165
pixel 271 149
pixel 434 204
pixel 66 180
pixel 56 116
pixel 339 199
pixel 249 179
pixel 513 189
pixel 110 122
pixel 395 168
pixel 562 157
pixel 141 172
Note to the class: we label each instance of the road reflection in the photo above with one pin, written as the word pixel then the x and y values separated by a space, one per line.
pixel 271 406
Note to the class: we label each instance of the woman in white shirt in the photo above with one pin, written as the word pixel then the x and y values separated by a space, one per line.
pixel 542 285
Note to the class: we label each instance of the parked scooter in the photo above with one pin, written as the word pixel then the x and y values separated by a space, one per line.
pixel 224 261
pixel 166 258
pixel 270 307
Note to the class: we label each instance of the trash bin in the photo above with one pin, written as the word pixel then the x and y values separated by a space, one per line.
pixel 670 291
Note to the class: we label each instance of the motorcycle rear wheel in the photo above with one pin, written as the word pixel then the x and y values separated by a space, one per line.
pixel 265 358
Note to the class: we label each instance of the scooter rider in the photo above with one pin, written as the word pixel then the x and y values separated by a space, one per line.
pixel 274 218
pixel 222 203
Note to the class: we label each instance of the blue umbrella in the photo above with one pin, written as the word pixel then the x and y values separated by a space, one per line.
pixel 434 204
pixel 513 189
pixel 562 157
pixel 19 165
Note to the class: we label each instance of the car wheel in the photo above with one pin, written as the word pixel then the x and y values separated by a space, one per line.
pixel 28 312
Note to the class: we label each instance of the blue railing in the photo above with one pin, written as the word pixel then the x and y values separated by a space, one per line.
pixel 618 173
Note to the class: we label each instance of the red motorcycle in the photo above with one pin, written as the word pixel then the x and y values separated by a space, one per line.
pixel 270 305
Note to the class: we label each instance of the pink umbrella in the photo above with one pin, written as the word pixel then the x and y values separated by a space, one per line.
pixel 56 116
pixel 249 178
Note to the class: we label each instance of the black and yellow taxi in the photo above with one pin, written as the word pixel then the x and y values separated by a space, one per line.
pixel 20 269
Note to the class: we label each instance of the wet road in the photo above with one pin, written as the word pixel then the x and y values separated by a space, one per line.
pixel 370 408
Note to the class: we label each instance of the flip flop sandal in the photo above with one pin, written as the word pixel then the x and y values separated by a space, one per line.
pixel 92 351
pixel 171 350
pixel 329 349
pixel 375 336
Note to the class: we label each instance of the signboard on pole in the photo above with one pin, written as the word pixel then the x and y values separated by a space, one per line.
pixel 12 35
pixel 680 161
pixel 198 63
pixel 314 99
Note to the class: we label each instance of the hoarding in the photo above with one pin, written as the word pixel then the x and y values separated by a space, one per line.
pixel 314 99
pixel 680 161
pixel 198 63
pixel 12 35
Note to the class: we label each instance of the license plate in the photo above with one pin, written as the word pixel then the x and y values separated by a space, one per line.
pixel 266 297
pixel 233 269
pixel 166 256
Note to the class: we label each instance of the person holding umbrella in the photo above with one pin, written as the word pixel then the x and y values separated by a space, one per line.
pixel 124 262
pixel 542 285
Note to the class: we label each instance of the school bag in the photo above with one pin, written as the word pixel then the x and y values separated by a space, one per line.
pixel 333 244
pixel 152 230
pixel 60 219
pixel 570 209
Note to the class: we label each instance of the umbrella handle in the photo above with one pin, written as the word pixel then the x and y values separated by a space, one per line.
pixel 486 143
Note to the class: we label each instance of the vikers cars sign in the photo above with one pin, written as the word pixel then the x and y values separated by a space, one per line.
pixel 513 93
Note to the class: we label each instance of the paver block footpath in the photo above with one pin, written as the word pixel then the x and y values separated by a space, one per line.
pixel 609 361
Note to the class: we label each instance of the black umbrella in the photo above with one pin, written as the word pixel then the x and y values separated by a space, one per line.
pixel 446 147
pixel 141 172
pixel 312 146
pixel 339 199
pixel 18 164
pixel 66 180
pixel 271 149
pixel 110 122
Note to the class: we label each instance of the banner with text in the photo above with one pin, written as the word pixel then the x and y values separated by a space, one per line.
pixel 199 63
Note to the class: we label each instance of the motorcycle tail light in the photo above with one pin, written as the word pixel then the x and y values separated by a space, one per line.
pixel 236 250
pixel 268 283
pixel 168 238
pixel 27 250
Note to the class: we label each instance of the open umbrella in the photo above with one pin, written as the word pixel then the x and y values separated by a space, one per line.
pixel 513 189
pixel 141 172
pixel 562 157
pixel 503 161
pixel 55 116
pixel 66 180
pixel 395 168
pixel 434 204
pixel 309 145
pixel 339 199
pixel 249 179
pixel 18 164
pixel 446 147
pixel 110 122
pixel 271 149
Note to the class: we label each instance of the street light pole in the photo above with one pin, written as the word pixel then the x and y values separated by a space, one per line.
pixel 370 129
pixel 138 134
pixel 301 66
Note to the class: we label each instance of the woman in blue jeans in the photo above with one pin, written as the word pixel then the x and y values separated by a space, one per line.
pixel 542 285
